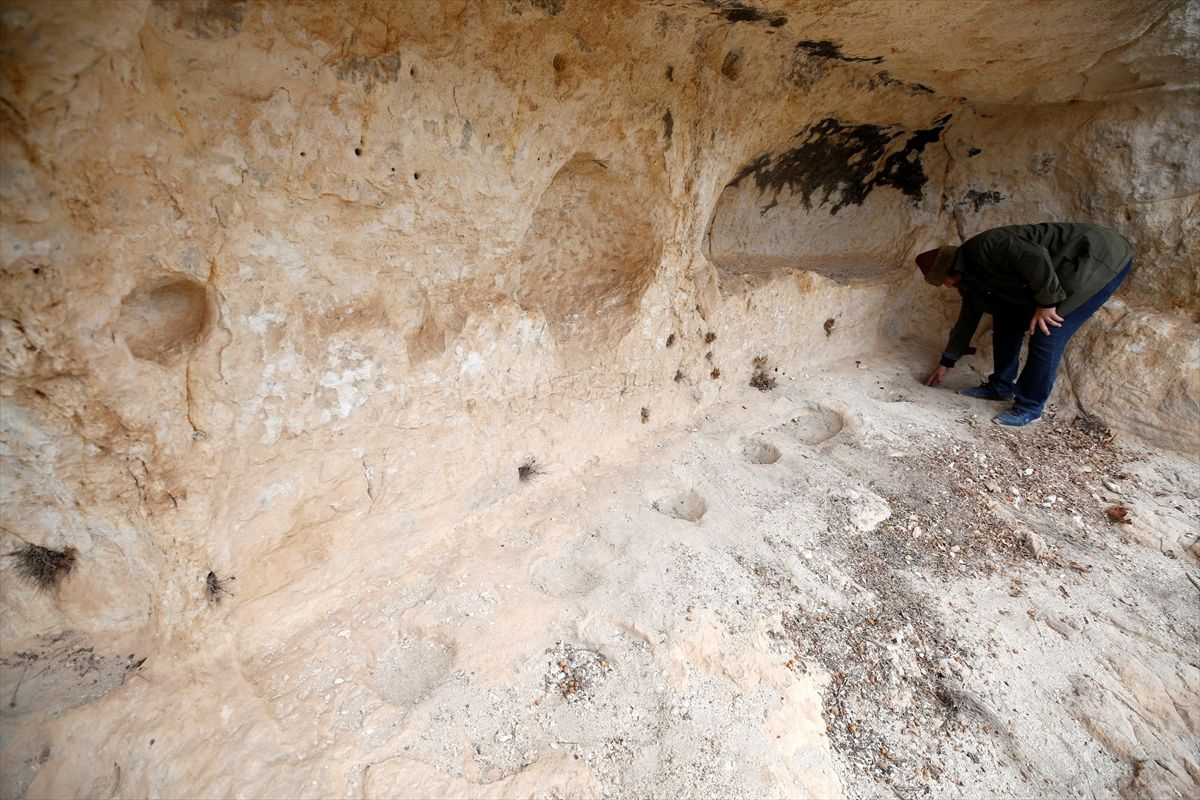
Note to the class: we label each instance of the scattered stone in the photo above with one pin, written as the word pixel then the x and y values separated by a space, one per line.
pixel 1034 545
pixel 1118 514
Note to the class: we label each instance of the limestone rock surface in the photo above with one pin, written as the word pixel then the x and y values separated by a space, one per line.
pixel 357 348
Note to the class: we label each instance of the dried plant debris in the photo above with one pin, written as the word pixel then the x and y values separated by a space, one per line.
pixel 216 587
pixel 761 379
pixel 898 707
pixel 529 469
pixel 828 326
pixel 1094 426
pixel 716 373
pixel 670 339
pixel 880 695
pixel 710 337
pixel 575 671
pixel 44 567
pixel 58 672
pixel 645 415
pixel 999 487
pixel 679 376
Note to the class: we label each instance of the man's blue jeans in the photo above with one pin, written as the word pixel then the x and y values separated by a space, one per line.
pixel 1033 387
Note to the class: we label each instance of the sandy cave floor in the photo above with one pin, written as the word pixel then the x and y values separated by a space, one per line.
pixel 828 588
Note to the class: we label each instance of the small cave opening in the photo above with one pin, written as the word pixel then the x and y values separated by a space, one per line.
pixel 839 199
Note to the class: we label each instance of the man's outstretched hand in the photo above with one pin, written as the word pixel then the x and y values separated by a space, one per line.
pixel 935 377
pixel 1042 317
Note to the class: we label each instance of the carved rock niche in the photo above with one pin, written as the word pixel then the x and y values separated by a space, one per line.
pixel 165 320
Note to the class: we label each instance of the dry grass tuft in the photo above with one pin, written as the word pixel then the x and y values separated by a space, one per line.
pixel 761 379
pixel 214 587
pixel 529 470
pixel 44 567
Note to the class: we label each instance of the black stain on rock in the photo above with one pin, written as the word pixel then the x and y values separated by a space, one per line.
pixel 1043 163
pixel 737 11
pixel 551 8
pixel 903 169
pixel 212 19
pixel 668 125
pixel 886 79
pixel 731 67
pixel 978 199
pixel 837 164
pixel 369 71
pixel 973 151
pixel 832 51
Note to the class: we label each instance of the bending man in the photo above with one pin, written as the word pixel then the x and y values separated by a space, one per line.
pixel 1044 280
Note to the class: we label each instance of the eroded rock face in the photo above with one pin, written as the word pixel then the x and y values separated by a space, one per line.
pixel 282 282
pixel 1125 344
pixel 589 254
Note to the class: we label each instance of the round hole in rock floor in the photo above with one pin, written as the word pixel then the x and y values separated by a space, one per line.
pixel 687 506
pixel 411 669
pixel 757 451
pixel 564 578
pixel 815 423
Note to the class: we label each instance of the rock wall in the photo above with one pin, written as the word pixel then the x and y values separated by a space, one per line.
pixel 270 269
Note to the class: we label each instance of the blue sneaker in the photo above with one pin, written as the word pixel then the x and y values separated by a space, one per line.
pixel 1015 418
pixel 984 392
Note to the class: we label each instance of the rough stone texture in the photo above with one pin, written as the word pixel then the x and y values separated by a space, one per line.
pixel 1124 344
pixel 289 292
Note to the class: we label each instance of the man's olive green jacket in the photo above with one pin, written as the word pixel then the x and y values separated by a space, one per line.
pixel 1017 267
